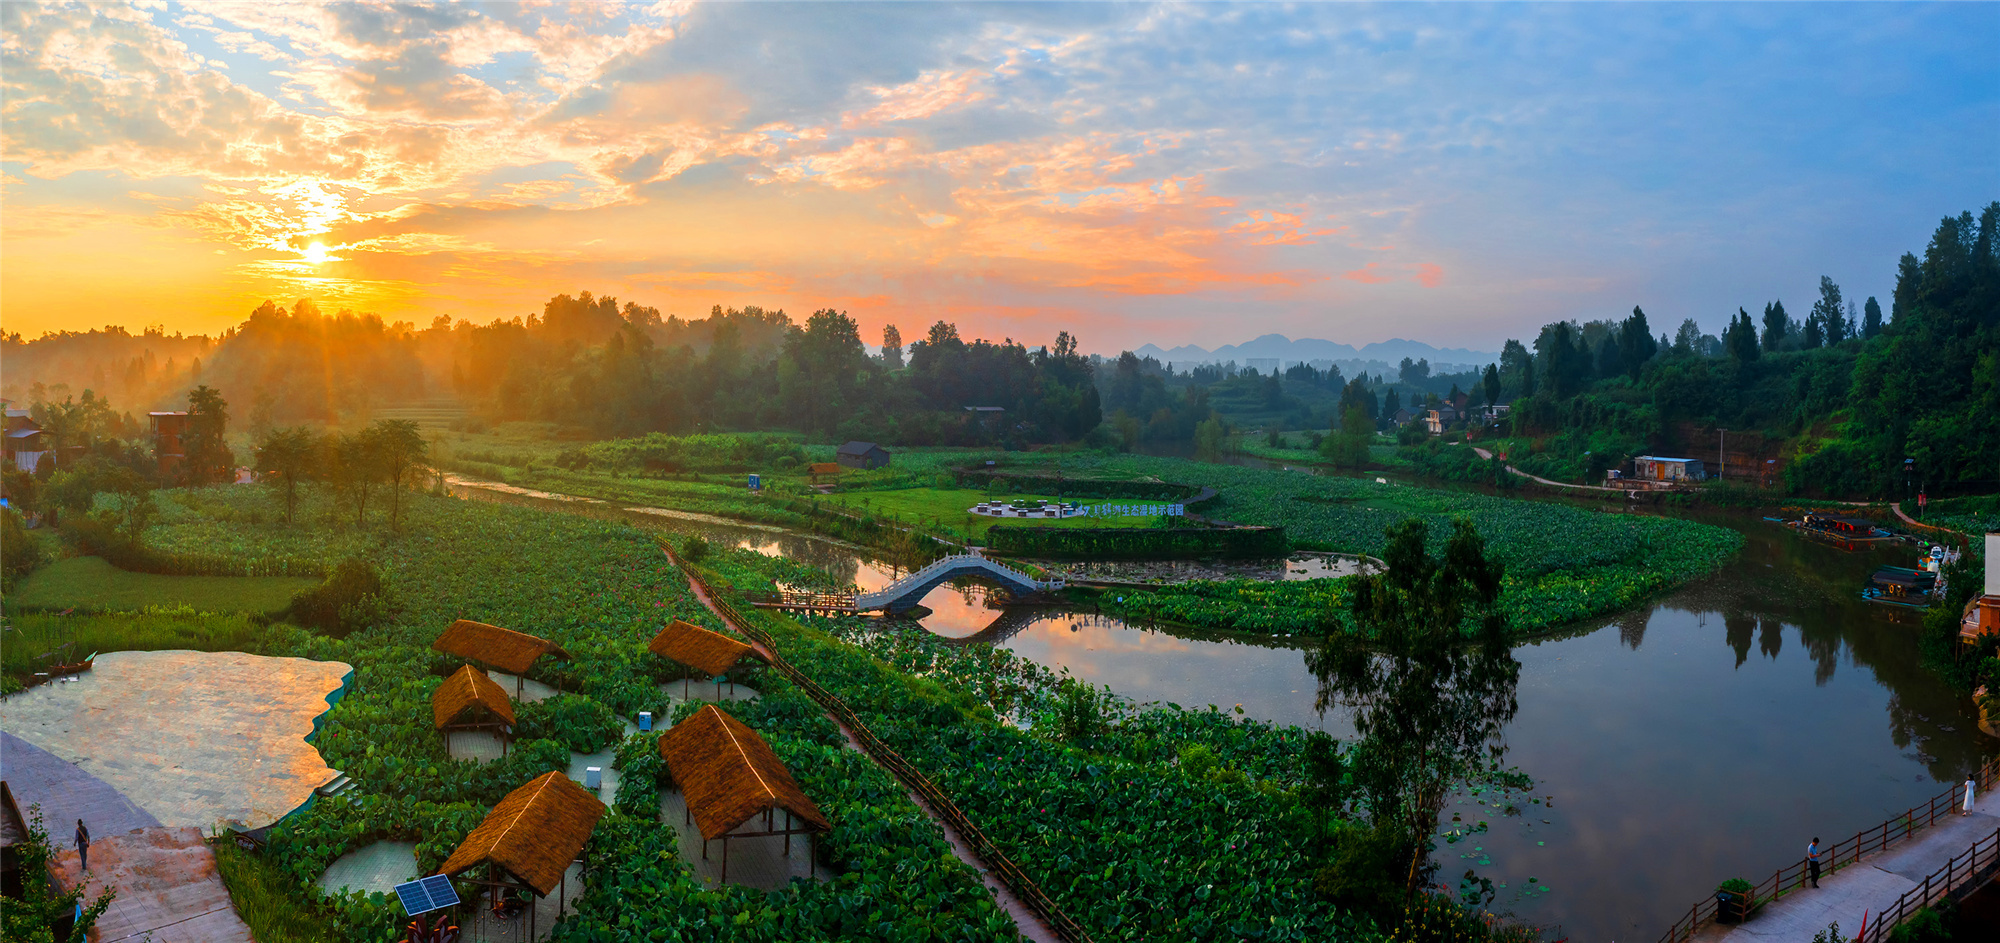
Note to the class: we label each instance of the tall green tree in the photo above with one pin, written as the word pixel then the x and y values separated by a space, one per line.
pixel 206 444
pixel 1829 314
pixel 1490 383
pixel 1430 678
pixel 286 457
pixel 353 468
pixel 1775 324
pixel 892 347
pixel 1635 342
pixel 1741 338
pixel 400 452
pixel 1517 368
pixel 1871 319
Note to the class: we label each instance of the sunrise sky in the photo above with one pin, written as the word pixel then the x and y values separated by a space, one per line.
pixel 1174 174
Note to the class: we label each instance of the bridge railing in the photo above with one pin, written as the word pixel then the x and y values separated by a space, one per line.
pixel 997 861
pixel 1840 854
pixel 1975 865
pixel 895 590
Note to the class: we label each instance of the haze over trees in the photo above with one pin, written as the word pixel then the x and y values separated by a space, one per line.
pixel 1851 388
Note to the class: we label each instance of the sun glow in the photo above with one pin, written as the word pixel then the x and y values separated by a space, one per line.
pixel 316 253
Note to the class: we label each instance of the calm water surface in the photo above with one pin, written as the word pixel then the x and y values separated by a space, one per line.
pixel 1706 736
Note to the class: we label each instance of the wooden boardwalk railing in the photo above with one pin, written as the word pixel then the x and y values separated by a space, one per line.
pixel 1841 854
pixel 996 860
pixel 1976 864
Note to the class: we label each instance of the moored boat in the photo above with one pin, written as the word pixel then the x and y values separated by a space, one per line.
pixel 1851 533
pixel 1902 586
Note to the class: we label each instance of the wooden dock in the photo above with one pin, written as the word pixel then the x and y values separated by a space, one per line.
pixel 814 603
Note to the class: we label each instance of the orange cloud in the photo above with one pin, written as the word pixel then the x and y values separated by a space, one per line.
pixel 1367 275
pixel 1430 274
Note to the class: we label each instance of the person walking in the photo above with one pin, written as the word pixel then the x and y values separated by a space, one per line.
pixel 1812 860
pixel 83 844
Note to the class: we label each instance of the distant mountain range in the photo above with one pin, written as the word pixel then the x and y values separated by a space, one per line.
pixel 1280 347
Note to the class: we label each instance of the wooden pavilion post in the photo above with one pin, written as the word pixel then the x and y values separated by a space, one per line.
pixel 725 859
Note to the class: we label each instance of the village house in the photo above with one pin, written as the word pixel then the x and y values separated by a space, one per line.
pixel 169 429
pixel 1659 468
pixel 862 455
pixel 25 443
pixel 1441 418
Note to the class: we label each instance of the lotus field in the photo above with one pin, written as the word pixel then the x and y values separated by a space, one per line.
pixel 601 590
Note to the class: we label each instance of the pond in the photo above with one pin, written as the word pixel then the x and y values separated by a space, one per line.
pixel 1705 736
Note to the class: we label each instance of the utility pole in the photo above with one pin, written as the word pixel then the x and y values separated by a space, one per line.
pixel 1721 453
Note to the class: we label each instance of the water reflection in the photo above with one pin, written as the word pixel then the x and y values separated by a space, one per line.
pixel 1703 737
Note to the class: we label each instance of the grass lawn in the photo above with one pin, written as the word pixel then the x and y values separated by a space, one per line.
pixel 90 584
pixel 948 507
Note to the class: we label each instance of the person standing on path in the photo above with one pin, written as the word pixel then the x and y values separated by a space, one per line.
pixel 82 844
pixel 1812 859
pixel 1968 797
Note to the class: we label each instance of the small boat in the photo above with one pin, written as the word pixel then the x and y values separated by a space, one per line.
pixel 1851 533
pixel 1902 586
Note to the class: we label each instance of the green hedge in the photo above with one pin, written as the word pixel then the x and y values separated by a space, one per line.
pixel 1135 543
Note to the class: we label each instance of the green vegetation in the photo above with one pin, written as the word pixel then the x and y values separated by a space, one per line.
pixel 1143 822
pixel 31 634
pixel 268 900
pixel 601 590
pixel 1562 563
pixel 1186 541
pixel 941 509
pixel 1843 406
pixel 34 916
pixel 92 585
pixel 1430 712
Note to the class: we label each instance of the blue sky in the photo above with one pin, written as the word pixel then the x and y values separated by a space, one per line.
pixel 1202 174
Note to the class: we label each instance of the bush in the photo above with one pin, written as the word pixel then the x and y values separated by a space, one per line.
pixel 582 724
pixel 351 598
pixel 18 552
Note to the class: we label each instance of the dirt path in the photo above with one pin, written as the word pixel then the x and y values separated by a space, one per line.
pixel 1482 453
pixel 1030 924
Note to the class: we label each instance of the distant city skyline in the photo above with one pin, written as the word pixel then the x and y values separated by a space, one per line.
pixel 1174 175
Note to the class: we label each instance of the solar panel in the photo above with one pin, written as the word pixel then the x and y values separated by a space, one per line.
pixel 427 894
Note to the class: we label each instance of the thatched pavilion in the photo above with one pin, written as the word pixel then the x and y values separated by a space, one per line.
pixel 728 775
pixel 529 840
pixel 470 701
pixel 496 648
pixel 702 650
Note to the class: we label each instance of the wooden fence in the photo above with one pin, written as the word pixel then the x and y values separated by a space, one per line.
pixel 1975 865
pixel 1841 854
pixel 996 860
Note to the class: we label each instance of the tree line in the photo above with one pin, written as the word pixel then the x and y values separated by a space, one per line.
pixel 1870 405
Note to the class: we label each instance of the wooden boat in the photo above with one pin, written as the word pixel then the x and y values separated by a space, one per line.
pixel 1852 533
pixel 1902 586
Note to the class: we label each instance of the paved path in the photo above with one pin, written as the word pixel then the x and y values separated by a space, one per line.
pixel 1866 887
pixel 1482 453
pixel 66 793
pixel 168 889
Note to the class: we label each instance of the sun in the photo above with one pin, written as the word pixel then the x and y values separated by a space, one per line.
pixel 315 254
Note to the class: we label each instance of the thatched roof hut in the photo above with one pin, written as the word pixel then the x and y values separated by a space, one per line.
pixel 469 700
pixel 504 649
pixel 727 774
pixel 533 834
pixel 709 652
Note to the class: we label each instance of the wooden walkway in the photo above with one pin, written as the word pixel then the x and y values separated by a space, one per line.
pixel 1028 917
